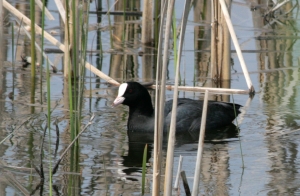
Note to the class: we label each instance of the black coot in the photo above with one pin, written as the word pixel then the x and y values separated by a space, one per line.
pixel 189 112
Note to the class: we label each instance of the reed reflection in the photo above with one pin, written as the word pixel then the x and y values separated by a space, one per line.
pixel 279 79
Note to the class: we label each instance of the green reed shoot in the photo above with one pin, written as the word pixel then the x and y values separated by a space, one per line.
pixel 42 56
pixel 83 26
pixel 69 84
pixel 49 122
pixel 32 25
pixel 48 96
pixel 144 169
pixel 13 57
pixel 75 62
pixel 156 22
pixel 123 23
pixel 174 30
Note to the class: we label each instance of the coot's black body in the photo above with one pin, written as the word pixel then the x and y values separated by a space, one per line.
pixel 189 112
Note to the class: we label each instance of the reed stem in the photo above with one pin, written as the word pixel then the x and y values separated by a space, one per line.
pixel 32 27
pixel 158 127
pixel 12 58
pixel 171 141
pixel 1 36
pixel 144 169
pixel 200 146
pixel 237 46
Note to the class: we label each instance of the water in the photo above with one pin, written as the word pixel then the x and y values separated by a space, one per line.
pixel 264 162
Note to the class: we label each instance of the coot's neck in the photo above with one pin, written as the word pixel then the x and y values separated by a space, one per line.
pixel 142 107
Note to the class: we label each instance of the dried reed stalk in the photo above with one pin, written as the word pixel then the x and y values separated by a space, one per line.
pixel 171 140
pixel 236 45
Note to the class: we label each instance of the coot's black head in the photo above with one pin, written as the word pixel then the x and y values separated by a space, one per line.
pixel 132 94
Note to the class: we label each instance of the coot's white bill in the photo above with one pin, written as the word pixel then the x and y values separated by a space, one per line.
pixel 118 101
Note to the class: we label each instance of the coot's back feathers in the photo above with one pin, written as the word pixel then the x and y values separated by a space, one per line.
pixel 189 112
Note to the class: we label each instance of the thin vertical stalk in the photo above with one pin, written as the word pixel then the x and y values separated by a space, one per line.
pixel 1 36
pixel 123 23
pixel 84 36
pixel 156 21
pixel 32 26
pixel 175 43
pixel 225 63
pixel 75 37
pixel 213 40
pixel 48 98
pixel 12 44
pixel 99 41
pixel 171 141
pixel 69 70
pixel 42 56
pixel 109 24
pixel 49 124
pixel 82 46
pixel 147 22
pixel 66 41
pixel 174 30
pixel 159 112
pixel 12 57
pixel 200 146
pixel 157 128
pixel 144 169
pixel 75 43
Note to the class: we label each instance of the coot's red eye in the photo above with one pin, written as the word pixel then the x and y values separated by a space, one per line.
pixel 130 90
